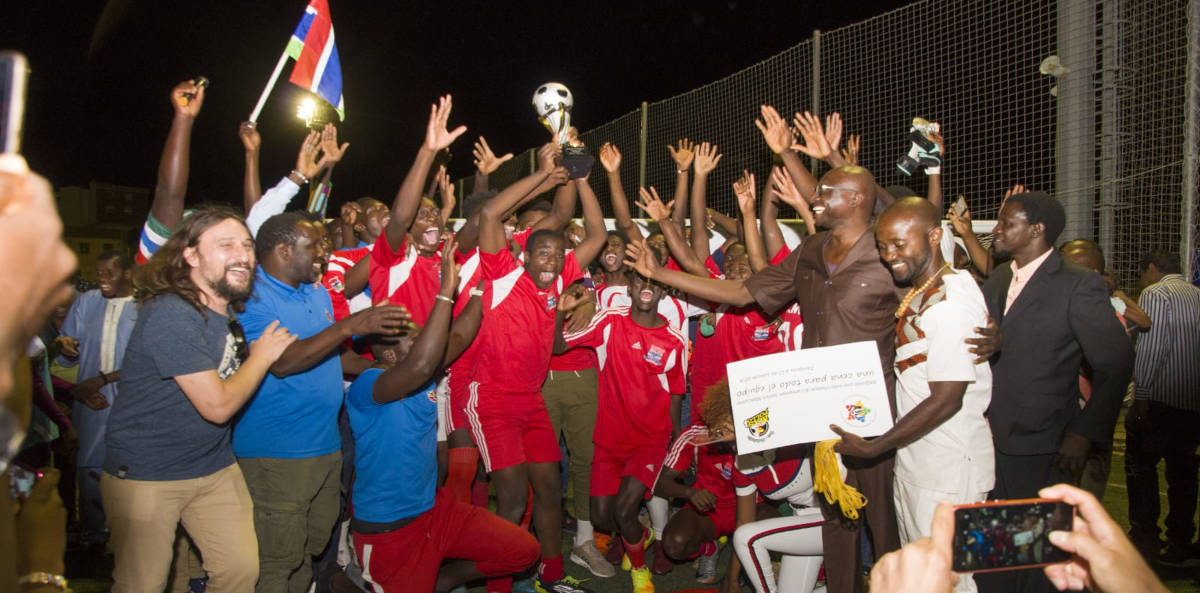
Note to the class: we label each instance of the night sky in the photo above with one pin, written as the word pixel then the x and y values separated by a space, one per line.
pixel 102 72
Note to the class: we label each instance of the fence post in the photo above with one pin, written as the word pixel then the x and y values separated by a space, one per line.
pixel 1111 122
pixel 1188 250
pixel 1075 136
pixel 815 98
pixel 643 134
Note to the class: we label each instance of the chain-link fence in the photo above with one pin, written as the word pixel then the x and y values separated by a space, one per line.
pixel 1113 134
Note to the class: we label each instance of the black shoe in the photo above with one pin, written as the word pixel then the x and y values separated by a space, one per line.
pixel 1179 557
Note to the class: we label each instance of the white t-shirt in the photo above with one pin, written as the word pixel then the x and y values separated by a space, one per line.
pixel 957 456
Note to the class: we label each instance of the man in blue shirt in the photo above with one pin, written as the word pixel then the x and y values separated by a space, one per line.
pixel 404 527
pixel 286 439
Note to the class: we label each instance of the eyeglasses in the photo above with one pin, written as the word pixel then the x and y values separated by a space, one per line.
pixel 824 190
pixel 242 349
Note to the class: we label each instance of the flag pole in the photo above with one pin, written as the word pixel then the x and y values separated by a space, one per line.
pixel 262 100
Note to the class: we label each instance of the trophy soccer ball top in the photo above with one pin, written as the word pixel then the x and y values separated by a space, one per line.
pixel 552 102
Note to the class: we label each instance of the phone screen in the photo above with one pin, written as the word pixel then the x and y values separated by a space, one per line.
pixel 13 72
pixel 20 481
pixel 960 206
pixel 1009 534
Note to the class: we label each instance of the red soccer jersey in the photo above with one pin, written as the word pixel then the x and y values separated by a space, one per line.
pixel 334 279
pixel 640 367
pixel 676 311
pixel 575 359
pixel 741 333
pixel 780 474
pixel 791 328
pixel 714 467
pixel 714 271
pixel 516 338
pixel 404 277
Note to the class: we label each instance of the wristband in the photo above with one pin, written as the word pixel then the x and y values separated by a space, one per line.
pixel 303 179
pixel 44 578
pixel 442 297
pixel 680 171
pixel 475 292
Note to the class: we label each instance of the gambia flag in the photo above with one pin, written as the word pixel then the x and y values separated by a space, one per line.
pixel 317 66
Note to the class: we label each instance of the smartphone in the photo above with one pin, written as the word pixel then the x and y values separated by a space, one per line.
pixel 14 73
pixel 960 206
pixel 1009 534
pixel 20 481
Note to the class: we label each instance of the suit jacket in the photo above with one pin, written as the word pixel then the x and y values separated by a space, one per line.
pixel 1061 317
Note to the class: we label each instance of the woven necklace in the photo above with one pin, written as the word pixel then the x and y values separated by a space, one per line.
pixel 913 292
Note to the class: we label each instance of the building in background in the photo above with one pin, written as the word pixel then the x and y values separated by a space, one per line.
pixel 100 217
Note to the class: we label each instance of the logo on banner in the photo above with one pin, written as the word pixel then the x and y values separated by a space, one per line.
pixel 759 425
pixel 857 413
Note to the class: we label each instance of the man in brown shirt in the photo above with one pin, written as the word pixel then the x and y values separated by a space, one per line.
pixel 846 295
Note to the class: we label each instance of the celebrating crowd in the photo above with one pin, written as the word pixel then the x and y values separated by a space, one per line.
pixel 264 396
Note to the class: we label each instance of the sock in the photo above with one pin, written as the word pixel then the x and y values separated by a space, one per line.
pixel 636 551
pixel 584 532
pixel 528 510
pixel 659 513
pixel 499 585
pixel 551 569
pixel 479 494
pixel 461 472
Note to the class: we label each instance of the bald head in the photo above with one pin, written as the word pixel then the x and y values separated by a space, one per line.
pixel 845 194
pixel 920 211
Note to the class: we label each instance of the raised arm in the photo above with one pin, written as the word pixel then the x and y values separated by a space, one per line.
pixel 733 292
pixel 425 357
pixel 782 183
pixel 593 224
pixel 251 182
pixel 491 214
pixel 781 140
pixel 680 250
pixel 610 159
pixel 935 173
pixel 769 218
pixel 562 209
pixel 171 187
pixel 486 162
pixel 744 189
pixel 682 157
pixel 408 199
pixel 707 158
pixel 981 258
pixel 464 328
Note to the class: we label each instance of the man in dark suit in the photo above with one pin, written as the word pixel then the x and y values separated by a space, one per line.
pixel 1053 315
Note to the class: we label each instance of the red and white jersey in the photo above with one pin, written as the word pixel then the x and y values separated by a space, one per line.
pixel 405 277
pixel 714 467
pixel 334 281
pixel 576 359
pixel 714 271
pixel 778 474
pixel 516 337
pixel 740 333
pixel 791 328
pixel 676 311
pixel 640 368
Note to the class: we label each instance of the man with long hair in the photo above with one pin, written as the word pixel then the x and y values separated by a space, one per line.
pixel 187 371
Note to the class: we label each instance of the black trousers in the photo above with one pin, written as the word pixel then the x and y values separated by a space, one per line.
pixel 1169 434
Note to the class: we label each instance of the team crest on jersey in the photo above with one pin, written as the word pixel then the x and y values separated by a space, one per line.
pixel 762 333
pixel 759 425
pixel 432 395
pixel 336 284
pixel 655 355
pixel 857 412
pixel 551 302
pixel 726 470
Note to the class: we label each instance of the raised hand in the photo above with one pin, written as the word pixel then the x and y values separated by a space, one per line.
pixel 640 258
pixel 446 187
pixel 786 189
pixel 187 98
pixel 549 156
pixel 961 224
pixel 833 130
pixel 1016 189
pixel 707 158
pixel 248 133
pixel 610 157
pixel 350 213
pixel 941 143
pixel 653 205
pixel 682 155
pixel 815 144
pixel 273 341
pixel 774 130
pixel 306 161
pixel 744 189
pixel 570 300
pixel 850 153
pixel 436 135
pixel 486 160
pixel 449 268
pixel 331 152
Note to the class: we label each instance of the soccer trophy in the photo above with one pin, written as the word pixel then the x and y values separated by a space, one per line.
pixel 552 102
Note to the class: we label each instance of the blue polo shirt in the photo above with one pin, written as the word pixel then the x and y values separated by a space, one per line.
pixel 395 451
pixel 296 416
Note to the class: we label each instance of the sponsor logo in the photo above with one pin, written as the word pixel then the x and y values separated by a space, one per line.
pixel 759 425
pixel 857 412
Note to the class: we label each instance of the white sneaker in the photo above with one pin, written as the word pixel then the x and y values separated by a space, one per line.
pixel 588 556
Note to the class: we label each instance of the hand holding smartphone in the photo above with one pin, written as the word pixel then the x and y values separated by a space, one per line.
pixel 14 72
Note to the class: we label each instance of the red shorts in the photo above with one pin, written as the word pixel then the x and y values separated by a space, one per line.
pixel 408 558
pixel 458 388
pixel 643 463
pixel 511 428
pixel 723 516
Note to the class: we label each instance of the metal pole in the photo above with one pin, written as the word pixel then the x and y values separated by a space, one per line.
pixel 1075 138
pixel 1110 125
pixel 815 98
pixel 643 134
pixel 1188 249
